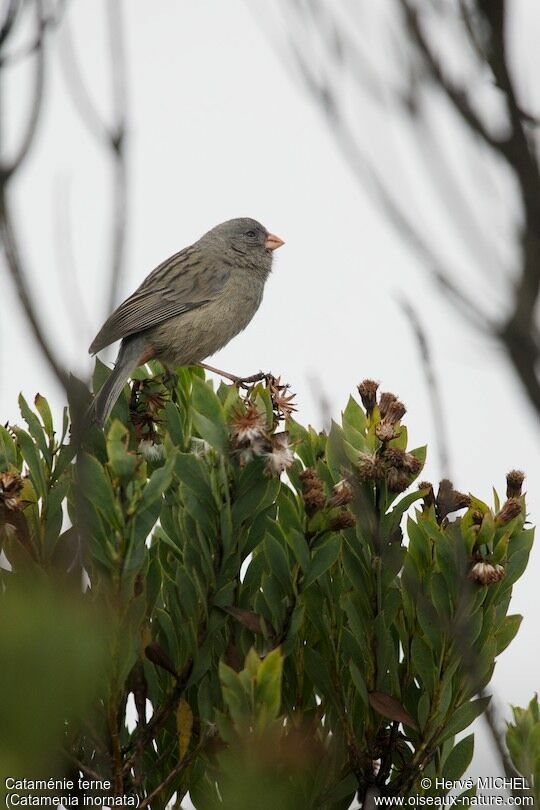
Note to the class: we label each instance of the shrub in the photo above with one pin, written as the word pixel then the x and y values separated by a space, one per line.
pixel 294 624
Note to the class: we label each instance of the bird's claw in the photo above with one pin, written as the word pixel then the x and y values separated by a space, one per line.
pixel 248 382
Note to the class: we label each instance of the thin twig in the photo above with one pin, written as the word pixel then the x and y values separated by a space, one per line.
pixel 9 20
pixel 176 771
pixel 9 167
pixel 113 136
pixel 150 729
pixel 456 95
pixel 77 89
pixel 492 721
pixel 49 22
pixel 84 768
pixel 18 275
pixel 518 333
pixel 118 139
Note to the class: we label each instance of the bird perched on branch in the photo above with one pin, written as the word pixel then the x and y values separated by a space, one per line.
pixel 190 306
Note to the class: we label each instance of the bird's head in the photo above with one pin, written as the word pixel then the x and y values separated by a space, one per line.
pixel 247 236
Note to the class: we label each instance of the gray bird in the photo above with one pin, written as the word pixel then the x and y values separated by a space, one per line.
pixel 190 306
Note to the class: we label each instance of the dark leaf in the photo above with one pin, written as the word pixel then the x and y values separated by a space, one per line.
pixel 391 708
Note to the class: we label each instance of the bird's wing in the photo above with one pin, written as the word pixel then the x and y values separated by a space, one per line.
pixel 183 282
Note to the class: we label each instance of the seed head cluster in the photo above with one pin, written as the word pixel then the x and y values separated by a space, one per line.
pixel 11 485
pixel 316 500
pixel 252 436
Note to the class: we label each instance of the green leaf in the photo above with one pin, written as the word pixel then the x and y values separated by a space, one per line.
pixel 35 427
pixel 423 664
pixel 441 597
pixel 390 707
pixel 335 452
pixel 36 467
pixel 419 545
pixel 250 501
pixel 318 672
pixel 96 488
pixel 45 412
pixel 459 759
pixel 268 684
pixel 359 682
pixel 464 716
pixel 209 417
pixel 122 462
pixel 298 543
pixel 8 451
pixel 277 560
pixel 175 425
pixel 100 375
pixel 507 632
pixel 159 482
pixel 322 560
pixel 354 415
pixel 391 521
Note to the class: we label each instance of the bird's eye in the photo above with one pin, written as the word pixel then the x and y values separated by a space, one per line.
pixel 251 234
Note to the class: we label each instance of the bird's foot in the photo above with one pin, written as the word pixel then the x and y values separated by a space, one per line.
pixel 240 382
pixel 170 377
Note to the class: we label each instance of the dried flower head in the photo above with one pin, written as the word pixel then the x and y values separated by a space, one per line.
pixel 282 400
pixel 151 451
pixel 385 401
pixel 148 397
pixel 514 482
pixel 486 573
pixel 312 491
pixel 385 431
pixel 395 457
pixel 429 497
pixel 397 480
pixel 370 467
pixel 342 493
pixel 344 520
pixel 510 510
pixel 395 412
pixel 449 500
pixel 11 485
pixel 258 447
pixel 280 457
pixel 368 394
pixel 248 425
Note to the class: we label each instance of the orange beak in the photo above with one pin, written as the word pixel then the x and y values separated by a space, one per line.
pixel 273 242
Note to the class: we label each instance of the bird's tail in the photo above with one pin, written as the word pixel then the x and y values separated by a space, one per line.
pixel 130 351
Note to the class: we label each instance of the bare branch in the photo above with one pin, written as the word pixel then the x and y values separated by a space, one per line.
pixel 118 146
pixel 371 178
pixel 8 169
pixel 492 721
pixel 77 88
pixel 49 22
pixel 113 136
pixel 483 29
pixel 9 20
pixel 456 95
pixel 18 275
pixel 411 234
pixel 176 771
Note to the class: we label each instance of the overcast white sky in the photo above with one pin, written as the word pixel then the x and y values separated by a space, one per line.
pixel 218 129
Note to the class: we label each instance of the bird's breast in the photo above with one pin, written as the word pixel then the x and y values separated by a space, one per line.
pixel 191 337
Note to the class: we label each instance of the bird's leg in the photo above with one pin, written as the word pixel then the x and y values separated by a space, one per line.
pixel 240 381
pixel 169 376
